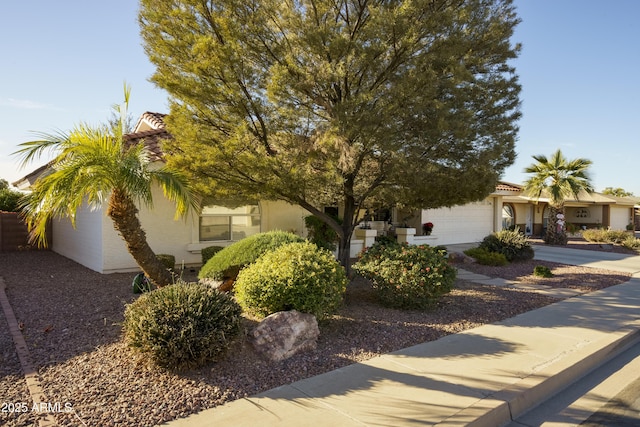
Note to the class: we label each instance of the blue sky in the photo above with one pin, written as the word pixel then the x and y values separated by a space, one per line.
pixel 65 62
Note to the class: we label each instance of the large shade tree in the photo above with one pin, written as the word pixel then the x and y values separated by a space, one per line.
pixel 338 103
pixel 558 179
pixel 96 165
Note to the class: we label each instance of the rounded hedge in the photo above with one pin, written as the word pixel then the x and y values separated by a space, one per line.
pixel 484 257
pixel 407 276
pixel 183 325
pixel 297 276
pixel 511 243
pixel 230 260
pixel 208 252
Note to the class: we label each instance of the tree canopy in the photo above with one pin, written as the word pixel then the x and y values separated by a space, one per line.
pixel 318 102
pixel 617 192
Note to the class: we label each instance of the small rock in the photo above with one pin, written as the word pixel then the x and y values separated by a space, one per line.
pixel 459 257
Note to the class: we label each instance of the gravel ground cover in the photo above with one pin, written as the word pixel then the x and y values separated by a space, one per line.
pixel 13 387
pixel 72 324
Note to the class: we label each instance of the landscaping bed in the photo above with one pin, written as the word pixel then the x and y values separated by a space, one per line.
pixel 72 324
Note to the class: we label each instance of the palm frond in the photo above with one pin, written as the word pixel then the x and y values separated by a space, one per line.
pixel 33 150
pixel 558 177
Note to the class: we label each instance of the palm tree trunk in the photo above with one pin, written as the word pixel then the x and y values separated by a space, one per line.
pixel 556 230
pixel 123 212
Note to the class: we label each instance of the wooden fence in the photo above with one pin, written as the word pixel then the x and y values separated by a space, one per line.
pixel 14 235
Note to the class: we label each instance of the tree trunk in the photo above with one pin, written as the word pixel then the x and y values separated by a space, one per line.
pixel 123 212
pixel 556 228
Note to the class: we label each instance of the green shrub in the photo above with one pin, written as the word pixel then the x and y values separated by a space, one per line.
pixel 442 249
pixel 542 271
pixel 169 261
pixel 572 228
pixel 183 325
pixel 407 276
pixel 208 252
pixel 380 247
pixel 512 244
pixel 297 276
pixel 230 260
pixel 383 239
pixel 320 233
pixel 10 200
pixel 484 257
pixel 141 284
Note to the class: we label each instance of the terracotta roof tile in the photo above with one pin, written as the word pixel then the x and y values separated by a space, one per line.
pixel 505 186
pixel 152 140
pixel 149 120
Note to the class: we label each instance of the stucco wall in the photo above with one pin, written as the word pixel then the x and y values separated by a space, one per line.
pixel 95 243
pixel 283 216
pixel 588 216
pixel 83 243
pixel 165 235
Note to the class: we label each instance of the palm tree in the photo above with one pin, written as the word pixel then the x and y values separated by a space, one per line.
pixel 94 165
pixel 559 179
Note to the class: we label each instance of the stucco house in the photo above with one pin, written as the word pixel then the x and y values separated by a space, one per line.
pixel 95 244
pixel 509 207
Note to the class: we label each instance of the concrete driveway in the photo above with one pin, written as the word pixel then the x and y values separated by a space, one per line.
pixel 611 261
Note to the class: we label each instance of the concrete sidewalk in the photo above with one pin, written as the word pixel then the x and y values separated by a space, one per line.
pixel 482 377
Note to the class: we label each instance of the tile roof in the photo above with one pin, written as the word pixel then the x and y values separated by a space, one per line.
pixel 152 140
pixel 505 186
pixel 153 121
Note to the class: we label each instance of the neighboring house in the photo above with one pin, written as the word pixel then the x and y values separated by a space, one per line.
pixel 508 207
pixel 95 244
pixel 588 210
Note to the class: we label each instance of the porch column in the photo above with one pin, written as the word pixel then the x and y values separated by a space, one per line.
pixel 405 235
pixel 368 235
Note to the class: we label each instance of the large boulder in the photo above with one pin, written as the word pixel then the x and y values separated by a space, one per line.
pixel 283 334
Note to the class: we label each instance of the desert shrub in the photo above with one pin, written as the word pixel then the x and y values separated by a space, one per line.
pixel 631 243
pixel 230 260
pixel 484 257
pixel 407 276
pixel 169 261
pixel 183 325
pixel 616 236
pixel 597 235
pixel 605 236
pixel 512 244
pixel 208 252
pixel 542 271
pixel 297 276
